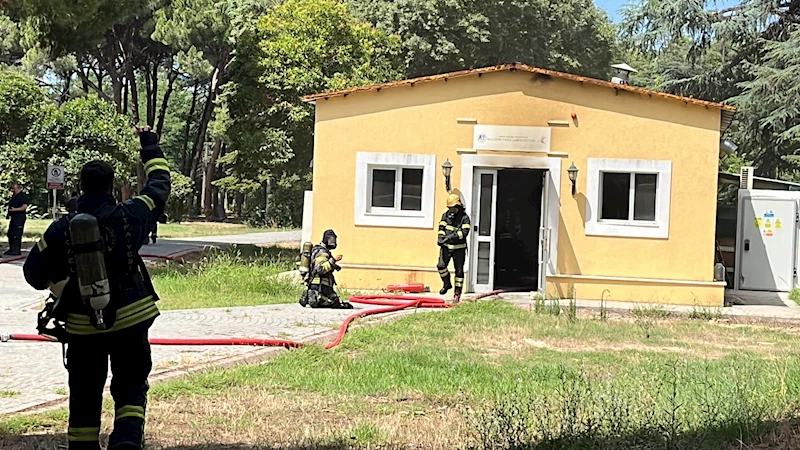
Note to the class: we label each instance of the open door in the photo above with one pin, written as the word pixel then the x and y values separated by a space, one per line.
pixel 483 230
pixel 544 235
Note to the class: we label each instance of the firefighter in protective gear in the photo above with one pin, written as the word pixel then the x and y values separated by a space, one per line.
pixel 453 231
pixel 321 291
pixel 129 313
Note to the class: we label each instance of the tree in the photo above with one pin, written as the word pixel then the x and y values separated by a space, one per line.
pixel 443 36
pixel 299 47
pixel 21 101
pixel 745 55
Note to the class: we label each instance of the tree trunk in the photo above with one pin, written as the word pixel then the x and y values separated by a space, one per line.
pixel 200 138
pixel 148 91
pixel 173 75
pixel 151 118
pixel 67 85
pixel 267 192
pixel 134 96
pixel 125 98
pixel 184 165
pixel 207 186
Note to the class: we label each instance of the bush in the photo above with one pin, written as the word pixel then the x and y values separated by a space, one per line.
pixel 182 187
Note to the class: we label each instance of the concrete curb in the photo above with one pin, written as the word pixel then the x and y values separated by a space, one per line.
pixel 253 357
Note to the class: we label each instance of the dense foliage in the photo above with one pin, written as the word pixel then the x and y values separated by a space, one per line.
pixel 221 81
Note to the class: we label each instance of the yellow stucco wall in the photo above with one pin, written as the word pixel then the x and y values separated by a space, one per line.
pixel 610 124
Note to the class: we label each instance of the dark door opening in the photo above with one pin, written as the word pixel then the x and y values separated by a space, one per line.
pixel 519 206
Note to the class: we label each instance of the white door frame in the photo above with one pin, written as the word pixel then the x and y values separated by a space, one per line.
pixel 470 162
pixel 477 239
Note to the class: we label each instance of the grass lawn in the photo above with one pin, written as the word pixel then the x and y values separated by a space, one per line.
pixel 795 296
pixel 487 376
pixel 242 276
pixel 34 228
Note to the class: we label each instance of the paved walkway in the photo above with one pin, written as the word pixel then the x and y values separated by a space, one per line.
pixel 31 372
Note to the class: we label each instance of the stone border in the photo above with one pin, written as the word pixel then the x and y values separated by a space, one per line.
pixel 253 357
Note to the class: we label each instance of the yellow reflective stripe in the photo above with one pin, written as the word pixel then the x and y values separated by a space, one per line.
pixel 441 232
pixel 466 226
pixel 443 223
pixel 129 411
pixel 41 245
pixel 456 246
pixel 127 310
pixel 128 316
pixel 322 281
pixel 450 227
pixel 147 201
pixel 156 164
pixel 460 234
pixel 88 434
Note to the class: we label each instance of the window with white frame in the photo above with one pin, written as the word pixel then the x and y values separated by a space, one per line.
pixel 628 198
pixel 395 189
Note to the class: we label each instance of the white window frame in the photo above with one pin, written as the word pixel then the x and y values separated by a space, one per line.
pixel 366 215
pixel 596 226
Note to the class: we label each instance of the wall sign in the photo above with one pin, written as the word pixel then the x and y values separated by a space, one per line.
pixel 499 137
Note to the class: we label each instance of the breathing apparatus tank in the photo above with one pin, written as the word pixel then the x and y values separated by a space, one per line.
pixel 87 244
pixel 305 259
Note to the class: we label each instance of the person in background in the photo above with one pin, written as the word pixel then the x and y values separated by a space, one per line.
pixel 72 204
pixel 17 207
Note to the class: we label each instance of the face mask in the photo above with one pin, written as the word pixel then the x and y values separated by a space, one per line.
pixel 453 210
pixel 331 243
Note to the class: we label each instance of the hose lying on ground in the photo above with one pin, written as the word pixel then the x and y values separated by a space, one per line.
pixel 391 303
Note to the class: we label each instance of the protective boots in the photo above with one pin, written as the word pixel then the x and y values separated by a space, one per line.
pixel 447 286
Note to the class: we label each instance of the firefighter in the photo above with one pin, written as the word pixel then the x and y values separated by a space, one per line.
pixel 17 207
pixel 321 291
pixel 453 230
pixel 111 320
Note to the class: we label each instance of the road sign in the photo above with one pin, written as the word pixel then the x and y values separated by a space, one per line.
pixel 55 177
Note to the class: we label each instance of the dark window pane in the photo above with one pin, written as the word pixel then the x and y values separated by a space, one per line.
pixel 644 199
pixel 383 188
pixel 483 263
pixel 412 190
pixel 485 220
pixel 616 195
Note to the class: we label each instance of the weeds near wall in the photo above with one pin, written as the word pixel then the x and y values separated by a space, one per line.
pixel 573 306
pixel 603 307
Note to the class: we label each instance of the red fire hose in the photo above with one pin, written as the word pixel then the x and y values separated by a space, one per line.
pixel 392 303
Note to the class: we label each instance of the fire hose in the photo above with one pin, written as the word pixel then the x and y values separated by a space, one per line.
pixel 390 303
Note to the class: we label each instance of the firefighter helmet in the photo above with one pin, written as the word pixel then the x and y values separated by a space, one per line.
pixel 453 200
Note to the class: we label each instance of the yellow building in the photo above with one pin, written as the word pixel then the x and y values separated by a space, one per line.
pixel 638 225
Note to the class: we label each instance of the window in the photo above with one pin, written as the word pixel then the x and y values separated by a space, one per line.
pixel 619 188
pixel 628 198
pixel 395 189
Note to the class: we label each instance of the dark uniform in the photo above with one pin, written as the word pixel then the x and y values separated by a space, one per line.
pixel 321 281
pixel 16 224
pixel 131 312
pixel 453 230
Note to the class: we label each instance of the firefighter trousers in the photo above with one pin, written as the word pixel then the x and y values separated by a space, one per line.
pixel 458 256
pixel 87 364
pixel 16 227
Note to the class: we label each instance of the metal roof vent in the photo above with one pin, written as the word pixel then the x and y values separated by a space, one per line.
pixel 746 178
pixel 622 73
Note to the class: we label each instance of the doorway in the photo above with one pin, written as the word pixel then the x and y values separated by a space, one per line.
pixel 508 223
pixel 519 209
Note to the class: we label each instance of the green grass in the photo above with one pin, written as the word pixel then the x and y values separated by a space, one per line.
pixel 527 380
pixel 240 276
pixel 24 423
pixel 34 228
pixel 7 394
pixel 795 295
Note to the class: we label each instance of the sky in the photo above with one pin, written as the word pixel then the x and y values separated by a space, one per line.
pixel 614 6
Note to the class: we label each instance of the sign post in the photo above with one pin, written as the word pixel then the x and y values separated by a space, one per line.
pixel 55 181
